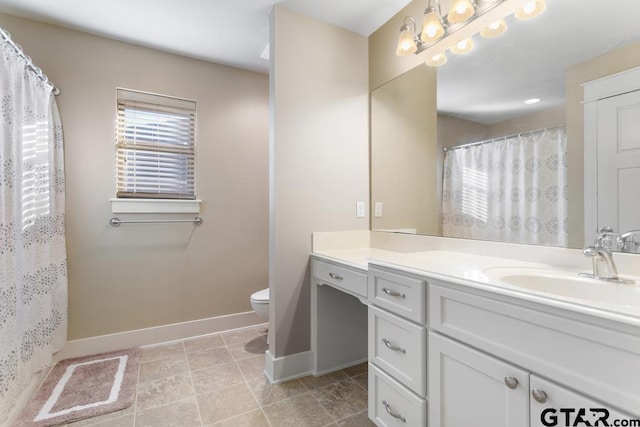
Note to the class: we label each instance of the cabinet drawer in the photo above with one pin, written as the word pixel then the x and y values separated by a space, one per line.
pixel 391 404
pixel 585 353
pixel 399 347
pixel 403 295
pixel 340 277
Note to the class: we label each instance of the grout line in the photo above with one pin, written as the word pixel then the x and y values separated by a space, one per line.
pixel 193 386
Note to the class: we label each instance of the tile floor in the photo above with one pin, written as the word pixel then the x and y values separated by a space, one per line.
pixel 218 380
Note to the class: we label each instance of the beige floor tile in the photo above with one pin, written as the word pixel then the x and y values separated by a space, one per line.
pixel 356 370
pixel 211 379
pixel 360 419
pixel 254 418
pixel 149 354
pixel 204 343
pixel 225 403
pixel 252 348
pixel 362 380
pixel 183 413
pixel 267 394
pixel 163 391
pixel 252 367
pixel 302 410
pixel 240 335
pixel 208 358
pixel 342 399
pixel 315 382
pixel 163 368
pixel 262 330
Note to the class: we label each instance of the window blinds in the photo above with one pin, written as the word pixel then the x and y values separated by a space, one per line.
pixel 155 146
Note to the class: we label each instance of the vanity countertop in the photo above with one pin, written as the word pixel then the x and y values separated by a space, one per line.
pixel 617 302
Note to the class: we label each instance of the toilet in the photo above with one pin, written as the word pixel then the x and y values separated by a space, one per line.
pixel 260 303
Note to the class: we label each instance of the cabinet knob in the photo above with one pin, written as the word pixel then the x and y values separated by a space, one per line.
pixel 393 414
pixel 511 382
pixel 539 395
pixel 335 276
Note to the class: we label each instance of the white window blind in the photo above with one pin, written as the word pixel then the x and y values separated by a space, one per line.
pixel 155 146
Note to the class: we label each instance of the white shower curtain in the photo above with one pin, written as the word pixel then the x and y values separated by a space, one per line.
pixel 512 189
pixel 33 270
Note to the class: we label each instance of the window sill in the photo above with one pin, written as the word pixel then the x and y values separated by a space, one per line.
pixel 154 206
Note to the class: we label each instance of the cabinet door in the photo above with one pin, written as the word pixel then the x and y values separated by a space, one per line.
pixel 554 405
pixel 469 388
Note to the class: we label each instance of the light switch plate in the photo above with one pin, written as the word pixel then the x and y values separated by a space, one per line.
pixel 360 212
pixel 378 210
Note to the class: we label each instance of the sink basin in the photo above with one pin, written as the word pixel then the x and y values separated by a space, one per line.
pixel 568 285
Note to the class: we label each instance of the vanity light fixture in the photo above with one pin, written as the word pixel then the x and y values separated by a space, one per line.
pixel 407 43
pixel 436 27
pixel 531 9
pixel 494 30
pixel 437 60
pixel 463 46
pixel 461 10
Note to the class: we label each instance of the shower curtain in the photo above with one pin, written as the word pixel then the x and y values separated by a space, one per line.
pixel 513 189
pixel 33 270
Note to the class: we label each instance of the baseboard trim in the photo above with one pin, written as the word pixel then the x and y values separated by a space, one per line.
pixel 156 335
pixel 286 368
pixel 340 367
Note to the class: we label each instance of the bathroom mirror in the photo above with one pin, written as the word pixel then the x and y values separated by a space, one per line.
pixel 481 96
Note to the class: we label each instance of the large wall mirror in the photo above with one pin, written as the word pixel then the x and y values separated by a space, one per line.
pixel 480 98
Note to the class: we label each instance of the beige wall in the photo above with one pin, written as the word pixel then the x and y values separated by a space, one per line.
pixel 403 145
pixel 549 118
pixel 319 157
pixel 601 66
pixel 139 276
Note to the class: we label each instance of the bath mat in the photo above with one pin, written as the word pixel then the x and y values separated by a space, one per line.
pixel 84 387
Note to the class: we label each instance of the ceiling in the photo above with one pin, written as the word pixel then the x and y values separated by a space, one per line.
pixel 230 32
pixel 487 85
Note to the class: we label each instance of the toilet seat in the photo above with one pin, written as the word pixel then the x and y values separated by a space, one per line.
pixel 261 296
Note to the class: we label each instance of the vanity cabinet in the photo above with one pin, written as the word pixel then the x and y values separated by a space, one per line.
pixel 338 316
pixel 496 393
pixel 397 348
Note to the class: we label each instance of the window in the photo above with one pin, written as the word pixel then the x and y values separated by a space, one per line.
pixel 155 146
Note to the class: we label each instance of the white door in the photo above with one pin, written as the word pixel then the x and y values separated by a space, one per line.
pixel 553 405
pixel 618 153
pixel 469 388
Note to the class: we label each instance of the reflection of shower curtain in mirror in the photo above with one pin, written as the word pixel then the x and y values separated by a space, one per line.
pixel 511 189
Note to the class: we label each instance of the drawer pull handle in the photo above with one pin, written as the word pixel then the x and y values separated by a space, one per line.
pixel 539 395
pixel 393 347
pixel 393 293
pixel 335 276
pixel 511 382
pixel 393 414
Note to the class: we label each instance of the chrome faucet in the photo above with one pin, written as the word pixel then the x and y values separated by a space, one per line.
pixel 628 242
pixel 603 265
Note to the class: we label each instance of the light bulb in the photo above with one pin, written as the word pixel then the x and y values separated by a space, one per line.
pixel 406 42
pixel 432 28
pixel 460 11
pixel 494 29
pixel 463 46
pixel 437 60
pixel 531 9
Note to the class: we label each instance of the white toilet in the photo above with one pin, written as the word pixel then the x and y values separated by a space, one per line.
pixel 260 303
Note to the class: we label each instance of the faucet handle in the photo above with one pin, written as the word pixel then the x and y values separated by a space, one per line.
pixel 590 251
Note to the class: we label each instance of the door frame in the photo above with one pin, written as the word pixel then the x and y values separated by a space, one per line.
pixel 595 90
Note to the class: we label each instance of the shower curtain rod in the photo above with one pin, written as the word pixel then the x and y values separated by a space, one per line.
pixel 30 65
pixel 487 141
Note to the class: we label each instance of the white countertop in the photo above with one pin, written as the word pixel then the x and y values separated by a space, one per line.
pixel 620 303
